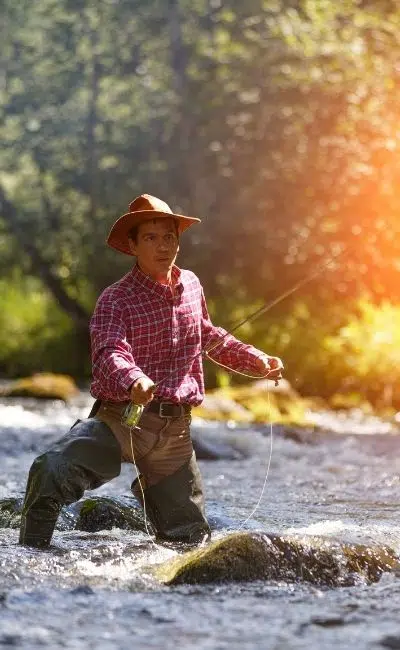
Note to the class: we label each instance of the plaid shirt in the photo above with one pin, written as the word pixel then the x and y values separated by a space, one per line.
pixel 141 327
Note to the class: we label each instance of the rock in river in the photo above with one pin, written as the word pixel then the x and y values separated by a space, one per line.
pixel 105 513
pixel 260 556
pixel 43 386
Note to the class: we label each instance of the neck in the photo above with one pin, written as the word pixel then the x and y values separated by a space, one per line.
pixel 164 278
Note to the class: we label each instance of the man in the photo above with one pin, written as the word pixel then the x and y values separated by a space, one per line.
pixel 148 332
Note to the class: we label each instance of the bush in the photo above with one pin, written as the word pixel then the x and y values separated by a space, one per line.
pixel 35 334
pixel 342 348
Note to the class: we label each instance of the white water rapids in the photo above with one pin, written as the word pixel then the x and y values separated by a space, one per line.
pixel 91 591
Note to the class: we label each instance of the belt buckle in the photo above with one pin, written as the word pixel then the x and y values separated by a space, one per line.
pixel 172 406
pixel 160 410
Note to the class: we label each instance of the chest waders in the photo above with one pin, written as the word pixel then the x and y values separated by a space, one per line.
pixel 88 456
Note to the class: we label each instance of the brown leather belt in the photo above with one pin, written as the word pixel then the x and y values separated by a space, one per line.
pixel 168 409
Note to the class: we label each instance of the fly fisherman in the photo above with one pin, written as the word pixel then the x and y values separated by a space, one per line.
pixel 147 333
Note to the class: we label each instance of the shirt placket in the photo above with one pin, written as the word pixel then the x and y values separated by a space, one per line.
pixel 174 326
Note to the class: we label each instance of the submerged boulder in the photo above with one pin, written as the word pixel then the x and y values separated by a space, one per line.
pixel 259 556
pixel 42 386
pixel 11 509
pixel 105 513
pixel 209 448
pixel 10 512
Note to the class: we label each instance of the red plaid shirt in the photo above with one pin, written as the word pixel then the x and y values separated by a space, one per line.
pixel 140 327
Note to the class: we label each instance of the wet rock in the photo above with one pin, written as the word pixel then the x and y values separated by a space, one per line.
pixel 391 641
pixel 328 621
pixel 10 512
pixel 84 590
pixel 211 449
pixel 303 435
pixel 105 513
pixel 258 556
pixel 43 386
pixel 156 618
pixel 221 522
pixel 97 513
pixel 10 639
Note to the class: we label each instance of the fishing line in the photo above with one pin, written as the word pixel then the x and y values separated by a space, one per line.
pixel 269 305
pixel 262 310
pixel 141 489
pixel 242 525
pixel 213 345
pixel 270 437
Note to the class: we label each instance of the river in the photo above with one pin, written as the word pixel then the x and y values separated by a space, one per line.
pixel 90 590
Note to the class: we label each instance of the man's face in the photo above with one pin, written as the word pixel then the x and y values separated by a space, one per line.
pixel 156 247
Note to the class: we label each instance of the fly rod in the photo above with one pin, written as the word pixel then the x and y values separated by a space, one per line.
pixel 134 411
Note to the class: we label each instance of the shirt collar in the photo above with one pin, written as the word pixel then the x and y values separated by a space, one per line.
pixel 146 282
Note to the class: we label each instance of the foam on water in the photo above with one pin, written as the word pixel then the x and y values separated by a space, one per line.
pixel 89 590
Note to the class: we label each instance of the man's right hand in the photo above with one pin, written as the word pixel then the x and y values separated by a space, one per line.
pixel 142 390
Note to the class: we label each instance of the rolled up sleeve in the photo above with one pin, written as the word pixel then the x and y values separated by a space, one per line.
pixel 228 350
pixel 113 366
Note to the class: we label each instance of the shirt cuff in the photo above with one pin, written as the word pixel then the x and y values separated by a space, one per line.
pixel 129 377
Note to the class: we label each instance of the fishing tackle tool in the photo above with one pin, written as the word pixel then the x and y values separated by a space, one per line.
pixel 132 414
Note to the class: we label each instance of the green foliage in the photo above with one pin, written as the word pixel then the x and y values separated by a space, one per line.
pixel 352 351
pixel 276 122
pixel 35 335
pixel 367 348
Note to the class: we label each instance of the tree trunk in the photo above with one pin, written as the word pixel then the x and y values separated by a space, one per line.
pixel 92 164
pixel 40 266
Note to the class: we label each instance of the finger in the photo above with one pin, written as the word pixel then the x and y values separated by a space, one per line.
pixel 275 373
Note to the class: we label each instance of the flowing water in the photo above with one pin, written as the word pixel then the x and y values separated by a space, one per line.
pixel 93 590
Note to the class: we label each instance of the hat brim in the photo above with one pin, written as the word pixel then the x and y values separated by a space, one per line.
pixel 118 237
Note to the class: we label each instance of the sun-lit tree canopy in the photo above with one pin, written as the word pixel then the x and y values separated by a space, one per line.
pixel 276 121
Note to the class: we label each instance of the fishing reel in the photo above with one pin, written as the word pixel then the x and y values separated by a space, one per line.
pixel 132 414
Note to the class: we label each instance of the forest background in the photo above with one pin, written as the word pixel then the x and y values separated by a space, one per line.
pixel 275 121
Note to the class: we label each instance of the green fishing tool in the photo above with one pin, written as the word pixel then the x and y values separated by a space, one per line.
pixel 132 414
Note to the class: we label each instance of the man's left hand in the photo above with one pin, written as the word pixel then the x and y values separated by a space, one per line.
pixel 270 367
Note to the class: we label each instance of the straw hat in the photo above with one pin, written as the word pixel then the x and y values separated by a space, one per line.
pixel 144 208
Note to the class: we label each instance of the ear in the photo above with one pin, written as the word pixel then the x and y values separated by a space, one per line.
pixel 132 246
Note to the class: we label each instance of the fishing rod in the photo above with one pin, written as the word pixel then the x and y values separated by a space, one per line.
pixel 133 412
pixel 269 305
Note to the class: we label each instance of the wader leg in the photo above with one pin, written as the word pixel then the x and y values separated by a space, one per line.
pixel 175 505
pixel 88 456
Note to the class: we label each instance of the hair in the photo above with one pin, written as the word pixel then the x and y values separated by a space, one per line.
pixel 133 232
